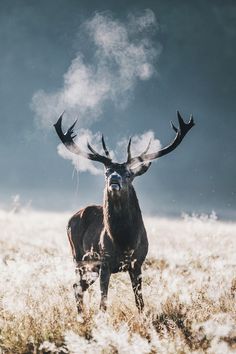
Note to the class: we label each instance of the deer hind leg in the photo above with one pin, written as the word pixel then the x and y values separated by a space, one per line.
pixel 79 288
pixel 136 280
pixel 86 274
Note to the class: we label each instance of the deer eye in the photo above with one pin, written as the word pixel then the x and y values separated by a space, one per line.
pixel 108 172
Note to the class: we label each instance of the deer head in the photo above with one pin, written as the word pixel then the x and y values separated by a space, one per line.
pixel 119 176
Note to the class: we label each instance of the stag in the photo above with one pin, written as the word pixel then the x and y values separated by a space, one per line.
pixel 111 238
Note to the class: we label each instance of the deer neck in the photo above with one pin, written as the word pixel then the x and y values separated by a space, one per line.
pixel 122 217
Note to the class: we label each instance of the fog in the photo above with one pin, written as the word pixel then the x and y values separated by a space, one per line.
pixel 187 62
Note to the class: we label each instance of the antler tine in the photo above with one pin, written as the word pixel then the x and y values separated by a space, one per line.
pixel 173 127
pixel 68 137
pixel 184 127
pixel 147 148
pixel 129 150
pixel 104 147
pixel 129 159
pixel 92 149
pixel 181 131
pixel 72 127
pixel 67 140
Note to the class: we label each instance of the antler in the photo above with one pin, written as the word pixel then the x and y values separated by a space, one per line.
pixel 129 157
pixel 67 140
pixel 105 148
pixel 181 131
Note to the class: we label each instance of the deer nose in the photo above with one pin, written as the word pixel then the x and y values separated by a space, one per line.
pixel 115 177
pixel 115 181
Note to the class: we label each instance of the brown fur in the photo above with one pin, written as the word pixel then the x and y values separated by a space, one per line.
pixel 115 232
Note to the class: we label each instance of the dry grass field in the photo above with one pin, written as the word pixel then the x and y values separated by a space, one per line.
pixel 189 287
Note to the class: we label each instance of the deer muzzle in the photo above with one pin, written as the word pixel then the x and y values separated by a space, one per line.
pixel 115 182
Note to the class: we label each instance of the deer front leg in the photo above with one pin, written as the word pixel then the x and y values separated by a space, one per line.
pixel 136 280
pixel 86 274
pixel 104 283
pixel 79 295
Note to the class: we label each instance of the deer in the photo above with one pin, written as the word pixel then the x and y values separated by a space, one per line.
pixel 110 238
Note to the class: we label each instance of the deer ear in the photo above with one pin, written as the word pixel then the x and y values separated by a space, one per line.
pixel 141 169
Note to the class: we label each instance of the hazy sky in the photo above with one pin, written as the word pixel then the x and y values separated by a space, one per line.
pixel 123 67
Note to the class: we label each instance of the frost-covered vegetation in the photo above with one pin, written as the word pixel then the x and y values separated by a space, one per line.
pixel 189 290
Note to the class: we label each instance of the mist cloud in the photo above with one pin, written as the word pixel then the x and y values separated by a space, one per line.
pixel 123 54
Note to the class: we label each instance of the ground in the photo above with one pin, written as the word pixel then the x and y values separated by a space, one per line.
pixel 189 288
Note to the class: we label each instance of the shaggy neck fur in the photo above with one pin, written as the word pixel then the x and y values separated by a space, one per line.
pixel 122 217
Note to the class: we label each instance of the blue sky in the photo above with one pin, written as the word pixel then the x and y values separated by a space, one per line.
pixel 187 63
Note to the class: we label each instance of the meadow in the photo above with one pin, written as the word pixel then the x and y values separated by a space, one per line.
pixel 189 288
